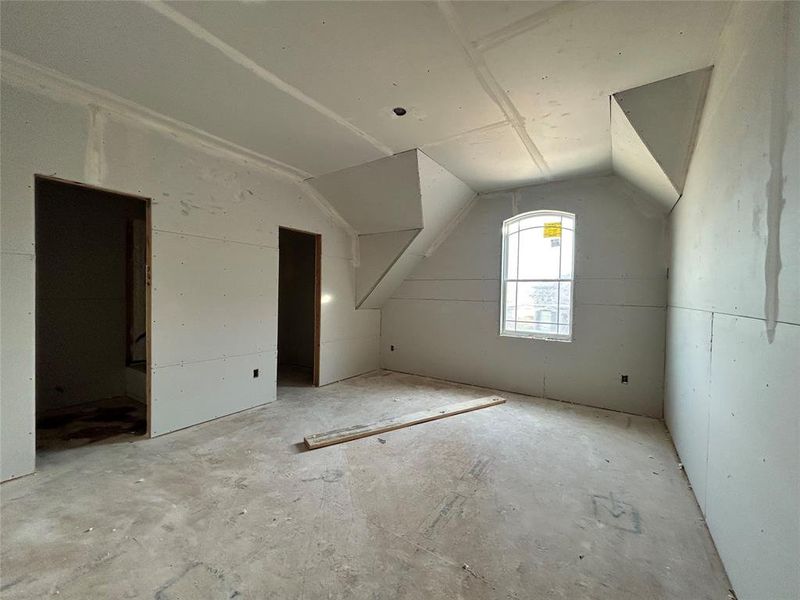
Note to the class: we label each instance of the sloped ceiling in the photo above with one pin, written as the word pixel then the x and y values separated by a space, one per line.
pixel 501 94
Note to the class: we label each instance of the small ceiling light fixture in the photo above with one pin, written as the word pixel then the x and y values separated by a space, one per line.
pixel 399 111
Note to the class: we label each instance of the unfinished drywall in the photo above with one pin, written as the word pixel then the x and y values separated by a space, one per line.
pixel 734 305
pixel 443 197
pixel 378 253
pixel 632 160
pixel 443 321
pixel 296 298
pixel 399 206
pixel 662 117
pixel 215 220
pixel 80 293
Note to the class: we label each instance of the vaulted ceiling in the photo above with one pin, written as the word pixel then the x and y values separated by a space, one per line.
pixel 499 93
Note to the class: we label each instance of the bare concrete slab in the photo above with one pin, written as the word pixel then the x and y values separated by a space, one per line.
pixel 531 499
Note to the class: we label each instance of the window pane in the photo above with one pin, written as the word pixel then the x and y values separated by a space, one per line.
pixel 512 227
pixel 565 302
pixel 567 253
pixel 537 301
pixel 536 328
pixel 511 301
pixel 509 326
pixel 568 222
pixel 563 329
pixel 511 256
pixel 539 257
pixel 537 221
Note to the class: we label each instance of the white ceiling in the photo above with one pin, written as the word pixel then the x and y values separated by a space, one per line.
pixel 491 88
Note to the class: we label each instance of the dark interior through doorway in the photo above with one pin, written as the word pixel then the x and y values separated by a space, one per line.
pixel 298 307
pixel 91 315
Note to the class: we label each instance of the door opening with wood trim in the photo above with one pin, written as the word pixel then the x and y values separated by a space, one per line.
pixel 92 315
pixel 299 289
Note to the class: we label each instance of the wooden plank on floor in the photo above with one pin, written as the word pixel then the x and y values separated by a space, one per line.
pixel 354 432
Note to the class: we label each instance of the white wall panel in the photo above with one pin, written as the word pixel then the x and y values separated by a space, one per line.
pixel 472 250
pixel 444 320
pixel 378 253
pixel 191 393
pixel 215 224
pixel 686 393
pixel 340 319
pixel 401 269
pixel 17 409
pixel 476 290
pixel 747 145
pixel 212 299
pixel 610 341
pixel 40 136
pixel 382 195
pixel 625 291
pixel 753 498
pixel 458 341
pixel 200 194
pixel 347 357
pixel 633 160
pixel 736 265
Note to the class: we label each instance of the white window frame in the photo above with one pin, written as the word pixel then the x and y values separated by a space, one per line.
pixel 556 337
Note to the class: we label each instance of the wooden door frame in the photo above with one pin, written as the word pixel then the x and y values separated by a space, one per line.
pixel 148 277
pixel 317 295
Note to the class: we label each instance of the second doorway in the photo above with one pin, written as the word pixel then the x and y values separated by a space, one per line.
pixel 298 307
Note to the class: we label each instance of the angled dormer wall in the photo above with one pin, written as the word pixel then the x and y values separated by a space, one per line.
pixel 398 206
pixel 653 131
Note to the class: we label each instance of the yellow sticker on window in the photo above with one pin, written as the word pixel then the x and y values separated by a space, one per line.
pixel 552 230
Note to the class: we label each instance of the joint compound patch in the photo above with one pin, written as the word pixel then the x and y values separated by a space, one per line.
pixel 552 230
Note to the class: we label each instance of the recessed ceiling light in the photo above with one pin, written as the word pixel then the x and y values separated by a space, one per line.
pixel 399 111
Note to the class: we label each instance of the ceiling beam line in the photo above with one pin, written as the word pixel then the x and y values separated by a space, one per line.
pixel 246 62
pixel 24 74
pixel 512 30
pixel 469 132
pixel 490 85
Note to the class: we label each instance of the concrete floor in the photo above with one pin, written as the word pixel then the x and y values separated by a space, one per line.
pixel 530 499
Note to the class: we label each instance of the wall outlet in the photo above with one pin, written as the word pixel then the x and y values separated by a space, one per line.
pixel 623 379
pixel 255 372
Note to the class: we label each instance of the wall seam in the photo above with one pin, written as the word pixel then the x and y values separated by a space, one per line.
pixel 727 314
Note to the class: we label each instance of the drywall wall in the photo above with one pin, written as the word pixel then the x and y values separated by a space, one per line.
pixel 376 197
pixel 443 321
pixel 399 206
pixel 81 239
pixel 443 197
pixel 215 219
pixel 732 378
pixel 632 160
pixel 665 115
pixel 377 254
pixel 296 298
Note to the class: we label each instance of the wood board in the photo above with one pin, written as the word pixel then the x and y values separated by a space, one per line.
pixel 354 432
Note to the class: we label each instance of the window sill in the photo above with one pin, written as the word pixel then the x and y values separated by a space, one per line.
pixel 535 336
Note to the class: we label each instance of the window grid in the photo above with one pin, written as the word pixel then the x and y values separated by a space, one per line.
pixel 515 227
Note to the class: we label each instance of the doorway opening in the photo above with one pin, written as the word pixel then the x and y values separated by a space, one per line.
pixel 299 286
pixel 92 315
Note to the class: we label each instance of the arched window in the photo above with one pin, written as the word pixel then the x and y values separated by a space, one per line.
pixel 538 269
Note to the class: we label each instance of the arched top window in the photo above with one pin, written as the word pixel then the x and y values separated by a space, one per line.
pixel 537 276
